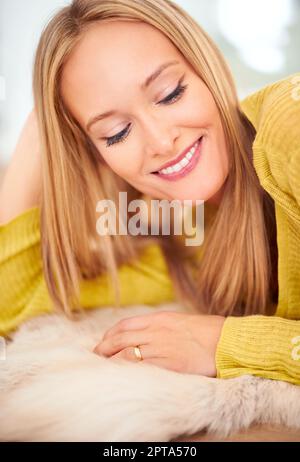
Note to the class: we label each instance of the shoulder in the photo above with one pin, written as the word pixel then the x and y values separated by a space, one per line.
pixel 275 113
pixel 275 107
pixel 273 103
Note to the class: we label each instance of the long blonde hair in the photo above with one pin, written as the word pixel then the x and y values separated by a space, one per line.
pixel 234 273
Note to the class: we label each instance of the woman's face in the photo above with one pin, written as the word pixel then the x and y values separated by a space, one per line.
pixel 150 124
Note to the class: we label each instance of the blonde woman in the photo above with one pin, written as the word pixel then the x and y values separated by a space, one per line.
pixel 167 89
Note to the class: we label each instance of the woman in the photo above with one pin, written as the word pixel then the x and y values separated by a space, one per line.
pixel 97 56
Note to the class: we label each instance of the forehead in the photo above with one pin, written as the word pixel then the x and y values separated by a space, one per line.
pixel 111 57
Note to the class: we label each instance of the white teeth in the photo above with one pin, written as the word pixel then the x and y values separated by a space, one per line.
pixel 189 155
pixel 177 167
pixel 184 162
pixel 180 165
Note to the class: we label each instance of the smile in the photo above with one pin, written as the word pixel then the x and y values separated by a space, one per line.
pixel 184 166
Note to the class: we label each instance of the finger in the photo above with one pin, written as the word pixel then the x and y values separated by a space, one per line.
pixel 128 354
pixel 162 363
pixel 132 323
pixel 118 342
pixel 146 352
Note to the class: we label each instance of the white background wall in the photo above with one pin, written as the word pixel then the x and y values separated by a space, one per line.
pixel 259 38
pixel 21 23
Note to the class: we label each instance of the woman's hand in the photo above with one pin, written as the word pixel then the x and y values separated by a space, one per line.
pixel 180 342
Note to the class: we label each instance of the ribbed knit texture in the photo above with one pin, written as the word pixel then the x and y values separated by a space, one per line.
pixel 267 346
pixel 260 345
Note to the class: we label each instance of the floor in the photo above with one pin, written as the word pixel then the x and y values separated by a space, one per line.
pixel 256 433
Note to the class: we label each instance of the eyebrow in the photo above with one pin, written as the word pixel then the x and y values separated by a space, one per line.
pixel 144 86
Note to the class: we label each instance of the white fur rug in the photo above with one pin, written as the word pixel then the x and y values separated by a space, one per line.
pixel 54 388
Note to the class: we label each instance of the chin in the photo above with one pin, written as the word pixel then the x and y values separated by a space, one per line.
pixel 194 196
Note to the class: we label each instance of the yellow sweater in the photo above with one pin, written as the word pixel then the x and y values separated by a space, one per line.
pixel 259 345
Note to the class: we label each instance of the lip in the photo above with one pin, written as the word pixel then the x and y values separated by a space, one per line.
pixel 191 165
pixel 179 158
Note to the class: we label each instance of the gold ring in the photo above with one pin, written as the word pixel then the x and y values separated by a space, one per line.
pixel 137 353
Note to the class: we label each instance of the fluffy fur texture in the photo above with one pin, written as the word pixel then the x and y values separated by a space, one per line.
pixel 54 388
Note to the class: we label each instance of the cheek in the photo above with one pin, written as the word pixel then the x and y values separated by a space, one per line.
pixel 201 105
pixel 125 159
pixel 125 169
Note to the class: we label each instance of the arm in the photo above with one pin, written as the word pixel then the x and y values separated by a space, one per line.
pixel 20 258
pixel 270 346
pixel 21 274
pixel 21 186
pixel 265 346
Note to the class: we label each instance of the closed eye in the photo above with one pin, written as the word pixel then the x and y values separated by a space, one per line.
pixel 170 99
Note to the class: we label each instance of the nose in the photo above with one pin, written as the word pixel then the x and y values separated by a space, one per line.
pixel 159 142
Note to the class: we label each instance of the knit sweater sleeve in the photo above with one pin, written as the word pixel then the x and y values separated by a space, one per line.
pixel 262 345
pixel 265 346
pixel 275 113
pixel 20 266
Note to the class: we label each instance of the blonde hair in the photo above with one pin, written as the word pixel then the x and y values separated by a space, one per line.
pixel 234 273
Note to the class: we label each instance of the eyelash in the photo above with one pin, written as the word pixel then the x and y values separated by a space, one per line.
pixel 170 99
